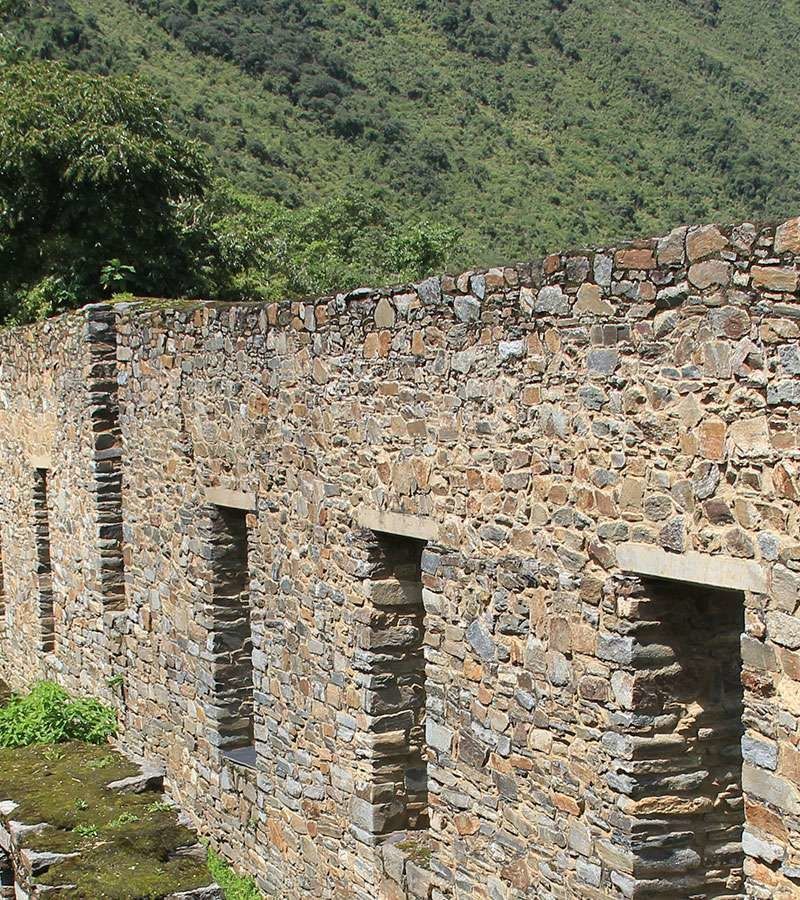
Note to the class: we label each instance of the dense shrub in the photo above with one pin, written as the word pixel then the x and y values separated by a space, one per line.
pixel 48 715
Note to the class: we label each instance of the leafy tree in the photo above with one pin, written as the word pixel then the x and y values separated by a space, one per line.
pixel 90 176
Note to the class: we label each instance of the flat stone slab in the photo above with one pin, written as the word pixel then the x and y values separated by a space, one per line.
pixel 420 527
pixel 695 568
pixel 146 780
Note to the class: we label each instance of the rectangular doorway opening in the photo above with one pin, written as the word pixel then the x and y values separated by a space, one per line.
pixel 232 638
pixel 42 561
pixel 393 655
pixel 686 769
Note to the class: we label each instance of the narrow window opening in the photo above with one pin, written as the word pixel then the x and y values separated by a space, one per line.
pixel 231 639
pixel 43 570
pixel 687 774
pixel 394 652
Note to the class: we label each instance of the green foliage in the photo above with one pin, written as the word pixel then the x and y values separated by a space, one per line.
pixel 273 253
pixel 49 715
pixel 535 124
pixel 90 178
pixel 235 887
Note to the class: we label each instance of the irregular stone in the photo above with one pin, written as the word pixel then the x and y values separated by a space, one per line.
pixel 787 237
pixel 507 350
pixel 602 269
pixel 704 241
pixel 783 629
pixel 760 752
pixel 384 314
pixel 480 640
pixel 670 248
pixel 774 278
pixel 750 436
pixel 635 259
pixel 552 301
pixel 467 309
pixel 711 272
pixel 603 361
pixel 146 780
pixel 590 300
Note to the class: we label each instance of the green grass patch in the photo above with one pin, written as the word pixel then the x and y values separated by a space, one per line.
pixel 48 715
pixel 236 887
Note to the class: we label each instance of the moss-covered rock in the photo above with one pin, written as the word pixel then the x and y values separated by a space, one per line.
pixel 130 846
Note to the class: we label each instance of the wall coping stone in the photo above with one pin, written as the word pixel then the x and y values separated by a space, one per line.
pixel 696 568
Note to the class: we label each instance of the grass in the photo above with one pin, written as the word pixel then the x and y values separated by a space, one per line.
pixel 236 887
pixel 417 850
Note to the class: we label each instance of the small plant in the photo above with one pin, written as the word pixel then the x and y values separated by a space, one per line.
pixel 159 806
pixel 116 681
pixel 235 887
pixel 102 762
pixel 48 715
pixel 86 831
pixel 122 819
pixel 114 274
pixel 52 754
pixel 81 804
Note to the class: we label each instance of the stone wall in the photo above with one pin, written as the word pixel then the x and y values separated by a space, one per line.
pixel 546 479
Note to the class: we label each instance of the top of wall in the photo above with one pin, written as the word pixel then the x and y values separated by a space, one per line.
pixel 707 261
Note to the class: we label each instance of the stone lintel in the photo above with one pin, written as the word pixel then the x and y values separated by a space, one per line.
pixel 422 528
pixel 231 499
pixel 695 568
pixel 41 461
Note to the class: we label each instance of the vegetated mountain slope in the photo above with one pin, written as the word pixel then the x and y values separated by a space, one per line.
pixel 533 124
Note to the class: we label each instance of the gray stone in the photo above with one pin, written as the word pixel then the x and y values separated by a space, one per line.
pixel 760 752
pixel 510 350
pixel 481 641
pixel 552 300
pixel 467 309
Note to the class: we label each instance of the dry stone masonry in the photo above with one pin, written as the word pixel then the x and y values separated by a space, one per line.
pixel 483 587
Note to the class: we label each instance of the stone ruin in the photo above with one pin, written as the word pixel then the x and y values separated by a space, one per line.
pixel 484 587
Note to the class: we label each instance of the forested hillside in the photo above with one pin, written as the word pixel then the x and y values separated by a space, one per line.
pixel 532 124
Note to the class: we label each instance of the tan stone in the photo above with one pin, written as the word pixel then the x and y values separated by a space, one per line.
pixel 472 670
pixel 774 278
pixel 712 433
pixel 787 237
pixel 789 763
pixel 765 820
pixel 784 480
pixel 668 805
pixel 567 804
pixel 750 435
pixel 384 314
pixel 704 241
pixel 466 823
pixel 590 300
